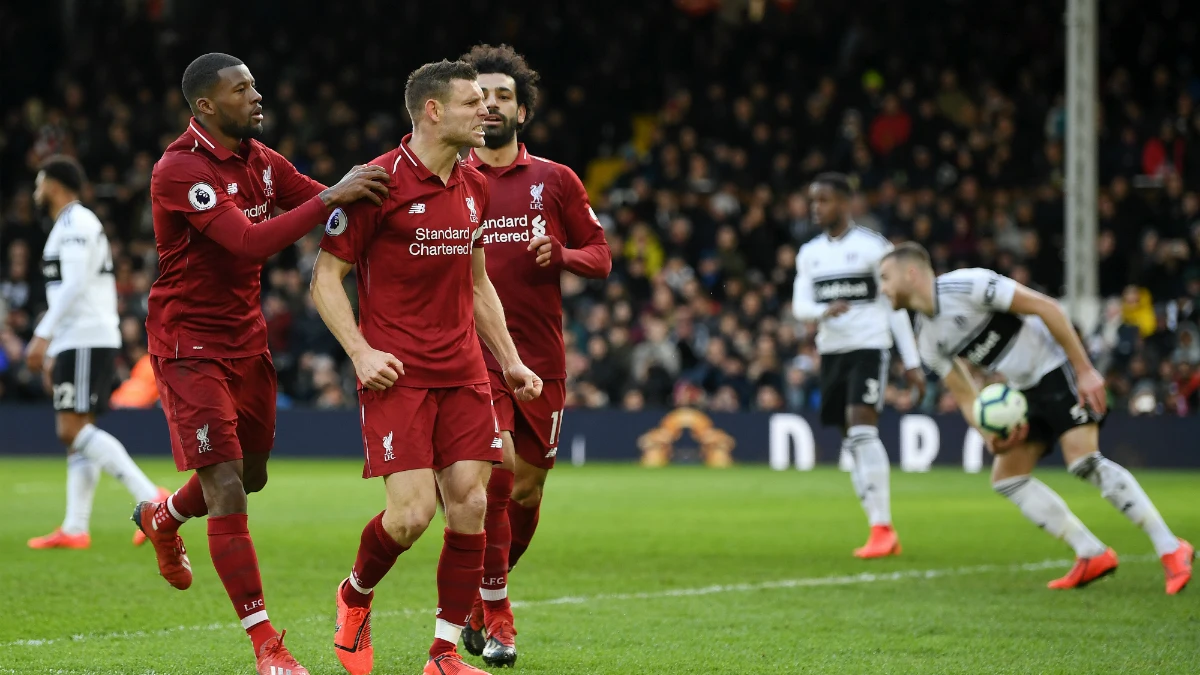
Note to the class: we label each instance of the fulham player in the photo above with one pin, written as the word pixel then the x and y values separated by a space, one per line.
pixel 215 192
pixel 977 317
pixel 837 285
pixel 426 409
pixel 538 224
pixel 77 342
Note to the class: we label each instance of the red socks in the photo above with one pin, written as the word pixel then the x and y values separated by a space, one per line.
pixel 187 502
pixel 494 588
pixel 237 565
pixel 459 572
pixel 377 552
pixel 523 521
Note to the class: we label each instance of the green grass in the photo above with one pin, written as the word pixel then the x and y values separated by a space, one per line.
pixel 961 602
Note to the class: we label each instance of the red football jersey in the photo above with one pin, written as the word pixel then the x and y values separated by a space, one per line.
pixel 416 294
pixel 533 197
pixel 206 300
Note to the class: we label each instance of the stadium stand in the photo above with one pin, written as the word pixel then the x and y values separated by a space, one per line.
pixel 697 167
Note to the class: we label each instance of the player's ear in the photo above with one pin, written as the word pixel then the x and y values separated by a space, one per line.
pixel 205 106
pixel 433 110
pixel 521 113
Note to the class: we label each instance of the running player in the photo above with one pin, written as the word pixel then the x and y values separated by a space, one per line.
pixel 979 318
pixel 537 224
pixel 214 193
pixel 836 284
pixel 77 342
pixel 425 301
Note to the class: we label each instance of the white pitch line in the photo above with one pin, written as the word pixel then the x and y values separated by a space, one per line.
pixel 810 582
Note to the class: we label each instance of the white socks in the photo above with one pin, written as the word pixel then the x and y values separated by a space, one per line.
pixel 104 450
pixel 82 476
pixel 871 473
pixel 1047 510
pixel 1122 490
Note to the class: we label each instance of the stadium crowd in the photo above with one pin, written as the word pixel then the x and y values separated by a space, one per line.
pixel 950 123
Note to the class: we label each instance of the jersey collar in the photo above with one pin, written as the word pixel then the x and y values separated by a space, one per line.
pixel 849 229
pixel 409 158
pixel 522 160
pixel 204 140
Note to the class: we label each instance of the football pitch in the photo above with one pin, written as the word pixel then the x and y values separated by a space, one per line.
pixel 678 570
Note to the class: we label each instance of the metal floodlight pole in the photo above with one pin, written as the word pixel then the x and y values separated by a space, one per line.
pixel 1082 265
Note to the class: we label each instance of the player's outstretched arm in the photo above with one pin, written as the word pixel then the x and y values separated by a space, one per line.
pixel 492 329
pixel 375 369
pixel 1088 380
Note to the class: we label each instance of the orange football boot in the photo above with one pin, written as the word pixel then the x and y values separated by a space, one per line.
pixel 352 636
pixel 60 539
pixel 450 663
pixel 1087 570
pixel 139 537
pixel 1178 567
pixel 173 563
pixel 274 659
pixel 882 543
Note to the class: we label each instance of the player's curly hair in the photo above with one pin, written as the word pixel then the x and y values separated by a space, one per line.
pixel 504 59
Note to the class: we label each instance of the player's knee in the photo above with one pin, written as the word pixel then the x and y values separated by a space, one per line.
pixel 255 480
pixel 407 525
pixel 527 493
pixel 473 505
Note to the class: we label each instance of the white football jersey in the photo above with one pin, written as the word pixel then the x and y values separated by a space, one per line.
pixel 80 288
pixel 847 268
pixel 971 320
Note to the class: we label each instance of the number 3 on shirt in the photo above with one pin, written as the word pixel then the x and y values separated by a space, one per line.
pixel 556 419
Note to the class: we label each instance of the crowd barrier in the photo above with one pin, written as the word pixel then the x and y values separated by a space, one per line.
pixel 655 438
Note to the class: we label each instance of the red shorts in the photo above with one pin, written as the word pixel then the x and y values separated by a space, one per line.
pixel 437 428
pixel 536 425
pixel 217 409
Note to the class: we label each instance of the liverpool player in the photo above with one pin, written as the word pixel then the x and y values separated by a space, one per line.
pixel 537 224
pixel 427 420
pixel 214 193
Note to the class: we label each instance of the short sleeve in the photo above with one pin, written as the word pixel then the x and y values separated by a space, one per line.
pixel 349 230
pixel 931 353
pixel 993 292
pixel 187 185
pixel 579 220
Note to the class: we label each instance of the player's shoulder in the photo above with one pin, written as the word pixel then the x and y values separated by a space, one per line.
pixel 79 219
pixel 963 280
pixel 870 237
pixel 813 244
pixel 183 159
pixel 473 176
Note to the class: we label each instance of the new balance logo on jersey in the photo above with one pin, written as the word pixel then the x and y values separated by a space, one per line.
pixel 231 189
pixel 388 455
pixel 553 452
pixel 416 208
pixel 202 442
pixel 497 443
pixel 850 289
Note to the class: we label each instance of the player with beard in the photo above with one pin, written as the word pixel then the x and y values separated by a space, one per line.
pixel 425 302
pixel 538 224
pixel 975 317
pixel 214 194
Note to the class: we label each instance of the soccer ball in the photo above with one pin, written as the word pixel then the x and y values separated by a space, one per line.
pixel 999 409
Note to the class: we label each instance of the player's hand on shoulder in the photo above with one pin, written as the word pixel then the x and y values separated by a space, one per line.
pixel 836 308
pixel 367 181
pixel 543 247
pixel 999 446
pixel 524 383
pixel 377 370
